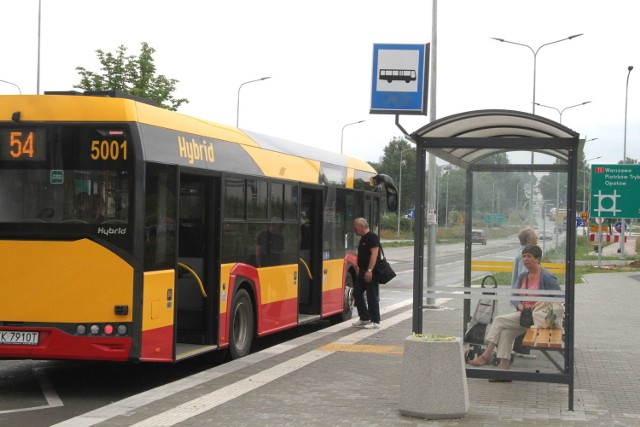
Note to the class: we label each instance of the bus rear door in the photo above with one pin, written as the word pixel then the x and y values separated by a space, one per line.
pixel 310 274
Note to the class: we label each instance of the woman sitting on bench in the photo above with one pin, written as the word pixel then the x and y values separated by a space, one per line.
pixel 506 328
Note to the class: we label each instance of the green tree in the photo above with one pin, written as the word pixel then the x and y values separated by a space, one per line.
pixel 135 75
pixel 493 192
pixel 451 195
pixel 553 186
pixel 500 192
pixel 390 165
pixel 629 161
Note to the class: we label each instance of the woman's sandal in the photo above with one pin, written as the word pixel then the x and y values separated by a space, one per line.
pixel 479 361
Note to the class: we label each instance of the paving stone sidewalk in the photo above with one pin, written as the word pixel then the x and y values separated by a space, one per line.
pixel 361 387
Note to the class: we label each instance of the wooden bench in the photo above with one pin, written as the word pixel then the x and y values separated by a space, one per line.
pixel 544 338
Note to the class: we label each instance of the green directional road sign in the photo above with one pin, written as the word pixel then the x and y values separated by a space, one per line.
pixel 494 218
pixel 615 191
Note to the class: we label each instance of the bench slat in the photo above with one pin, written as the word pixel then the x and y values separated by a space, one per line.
pixel 530 338
pixel 543 338
pixel 555 340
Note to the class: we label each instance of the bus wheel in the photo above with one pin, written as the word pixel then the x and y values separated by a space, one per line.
pixel 347 302
pixel 241 325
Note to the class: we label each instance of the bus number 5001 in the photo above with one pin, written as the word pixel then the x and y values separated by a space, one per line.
pixel 105 150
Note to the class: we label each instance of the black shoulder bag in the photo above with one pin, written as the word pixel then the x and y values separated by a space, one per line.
pixel 383 271
pixel 526 315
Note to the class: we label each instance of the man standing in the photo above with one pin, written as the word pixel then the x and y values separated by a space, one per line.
pixel 368 248
pixel 526 236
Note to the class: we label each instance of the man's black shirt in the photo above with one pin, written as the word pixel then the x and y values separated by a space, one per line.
pixel 367 242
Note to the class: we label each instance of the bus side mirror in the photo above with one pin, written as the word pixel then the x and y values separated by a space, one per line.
pixel 390 188
pixel 392 202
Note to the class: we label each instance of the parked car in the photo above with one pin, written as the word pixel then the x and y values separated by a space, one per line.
pixel 478 236
pixel 545 235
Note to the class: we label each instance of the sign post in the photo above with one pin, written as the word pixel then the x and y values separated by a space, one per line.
pixel 399 86
pixel 599 221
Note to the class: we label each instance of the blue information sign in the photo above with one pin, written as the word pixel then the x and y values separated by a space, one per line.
pixel 399 79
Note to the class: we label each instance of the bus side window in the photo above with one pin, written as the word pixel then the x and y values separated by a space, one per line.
pixel 191 231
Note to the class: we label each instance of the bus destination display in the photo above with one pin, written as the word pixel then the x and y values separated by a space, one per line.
pixel 23 144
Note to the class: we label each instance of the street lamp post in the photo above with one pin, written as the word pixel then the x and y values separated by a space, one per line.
pixel 626 98
pixel 535 64
pixel 584 196
pixel 4 81
pixel 399 188
pixel 624 155
pixel 238 100
pixel 517 197
pixel 584 178
pixel 446 202
pixel 39 27
pixel 535 58
pixel 342 134
pixel 493 198
pixel 560 112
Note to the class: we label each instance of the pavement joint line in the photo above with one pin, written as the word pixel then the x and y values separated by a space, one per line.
pixel 363 348
pixel 130 404
pixel 216 398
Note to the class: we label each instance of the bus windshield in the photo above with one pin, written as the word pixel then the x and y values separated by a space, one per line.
pixel 69 174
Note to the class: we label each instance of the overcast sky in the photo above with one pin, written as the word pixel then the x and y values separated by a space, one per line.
pixel 319 58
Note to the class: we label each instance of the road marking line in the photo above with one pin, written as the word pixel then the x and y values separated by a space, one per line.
pixel 53 400
pixel 209 401
pixel 363 348
pixel 47 389
pixel 132 403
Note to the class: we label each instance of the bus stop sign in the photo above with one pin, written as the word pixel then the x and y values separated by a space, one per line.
pixel 399 79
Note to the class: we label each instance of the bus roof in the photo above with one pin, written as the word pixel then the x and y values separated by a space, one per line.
pixel 82 108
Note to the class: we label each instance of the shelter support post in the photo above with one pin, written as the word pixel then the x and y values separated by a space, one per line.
pixel 468 215
pixel 418 251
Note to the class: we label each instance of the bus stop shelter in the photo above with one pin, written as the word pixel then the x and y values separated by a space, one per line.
pixel 467 140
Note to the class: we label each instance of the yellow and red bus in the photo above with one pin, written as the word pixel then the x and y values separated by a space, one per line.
pixel 133 233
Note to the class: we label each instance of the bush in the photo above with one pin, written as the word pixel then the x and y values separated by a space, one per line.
pixel 389 227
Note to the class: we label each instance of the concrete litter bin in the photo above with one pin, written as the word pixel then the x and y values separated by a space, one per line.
pixel 434 380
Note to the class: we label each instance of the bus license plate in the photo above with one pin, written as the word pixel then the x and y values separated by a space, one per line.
pixel 19 337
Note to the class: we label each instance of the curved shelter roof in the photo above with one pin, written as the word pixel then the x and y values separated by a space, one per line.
pixel 466 138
